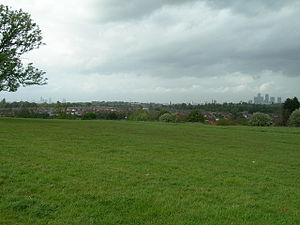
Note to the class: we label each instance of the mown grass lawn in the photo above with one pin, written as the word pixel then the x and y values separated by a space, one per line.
pixel 105 172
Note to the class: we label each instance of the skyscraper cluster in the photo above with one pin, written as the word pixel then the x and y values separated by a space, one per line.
pixel 259 99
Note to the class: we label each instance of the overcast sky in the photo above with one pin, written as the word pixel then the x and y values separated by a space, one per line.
pixel 164 50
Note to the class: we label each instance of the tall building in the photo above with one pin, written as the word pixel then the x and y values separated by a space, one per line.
pixel 266 101
pixel 259 99
pixel 278 100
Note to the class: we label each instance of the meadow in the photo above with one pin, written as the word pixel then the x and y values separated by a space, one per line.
pixel 122 172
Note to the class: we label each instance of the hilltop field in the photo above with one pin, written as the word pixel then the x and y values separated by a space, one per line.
pixel 121 172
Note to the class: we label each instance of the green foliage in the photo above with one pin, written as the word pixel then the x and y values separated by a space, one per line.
pixel 260 119
pixel 228 107
pixel 24 113
pixel 182 117
pixel 162 112
pixel 168 117
pixel 18 35
pixel 294 119
pixel 61 111
pixel 195 116
pixel 110 115
pixel 288 107
pixel 89 116
pixel 140 115
pixel 29 113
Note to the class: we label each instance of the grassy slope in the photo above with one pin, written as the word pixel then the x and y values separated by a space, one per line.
pixel 105 172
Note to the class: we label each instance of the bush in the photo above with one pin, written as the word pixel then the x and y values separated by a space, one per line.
pixel 260 119
pixel 140 115
pixel 24 113
pixel 168 117
pixel 181 118
pixel 162 112
pixel 89 116
pixel 195 116
pixel 294 119
pixel 114 116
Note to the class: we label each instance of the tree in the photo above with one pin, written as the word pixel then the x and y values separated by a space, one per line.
pixel 294 119
pixel 140 115
pixel 260 119
pixel 195 116
pixel 18 35
pixel 288 107
pixel 89 116
pixel 168 117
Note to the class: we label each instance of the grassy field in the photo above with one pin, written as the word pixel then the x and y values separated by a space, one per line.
pixel 104 172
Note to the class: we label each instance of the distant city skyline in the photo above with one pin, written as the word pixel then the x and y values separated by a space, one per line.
pixel 259 99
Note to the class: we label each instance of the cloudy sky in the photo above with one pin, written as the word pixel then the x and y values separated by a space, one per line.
pixel 164 50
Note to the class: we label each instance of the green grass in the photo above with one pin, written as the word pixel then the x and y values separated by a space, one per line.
pixel 104 172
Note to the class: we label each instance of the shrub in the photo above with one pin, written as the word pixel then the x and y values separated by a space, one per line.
pixel 294 119
pixel 162 112
pixel 168 117
pixel 195 116
pixel 140 115
pixel 260 119
pixel 89 116
pixel 110 115
pixel 182 117
pixel 24 113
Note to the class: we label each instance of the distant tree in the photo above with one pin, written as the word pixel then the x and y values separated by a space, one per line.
pixel 24 113
pixel 18 35
pixel 162 112
pixel 260 119
pixel 195 116
pixel 294 119
pixel 112 116
pixel 61 110
pixel 89 116
pixel 140 115
pixel 288 107
pixel 168 117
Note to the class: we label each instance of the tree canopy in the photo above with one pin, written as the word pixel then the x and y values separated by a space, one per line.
pixel 294 119
pixel 288 107
pixel 260 119
pixel 18 35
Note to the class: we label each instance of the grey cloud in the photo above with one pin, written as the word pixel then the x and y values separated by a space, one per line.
pixel 231 43
pixel 251 8
pixel 116 10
